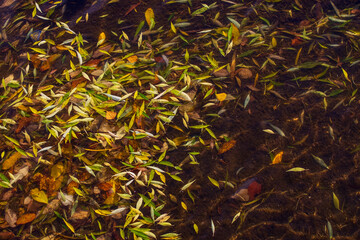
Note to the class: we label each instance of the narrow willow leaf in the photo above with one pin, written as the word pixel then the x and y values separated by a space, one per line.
pixel 212 227
pixel 214 182
pixel 336 201
pixel 69 226
pixel 296 169
pixel 186 186
pixel 320 161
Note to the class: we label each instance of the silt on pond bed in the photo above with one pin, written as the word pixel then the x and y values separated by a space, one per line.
pixel 180 119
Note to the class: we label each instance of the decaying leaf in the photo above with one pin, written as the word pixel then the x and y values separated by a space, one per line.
pixel 9 162
pixel 10 217
pixel 227 146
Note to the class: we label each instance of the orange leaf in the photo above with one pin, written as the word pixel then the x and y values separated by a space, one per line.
pixel 26 218
pixel 277 159
pixel 132 59
pixel 8 163
pixel 110 115
pixel 149 14
pixel 227 146
pixel 221 96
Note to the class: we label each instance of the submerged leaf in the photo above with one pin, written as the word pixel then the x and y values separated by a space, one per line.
pixel 320 161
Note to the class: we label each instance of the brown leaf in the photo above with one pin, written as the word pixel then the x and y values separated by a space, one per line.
pixel 80 215
pixel 8 163
pixel 221 73
pixel 244 73
pixel 6 235
pixel 26 218
pixel 227 146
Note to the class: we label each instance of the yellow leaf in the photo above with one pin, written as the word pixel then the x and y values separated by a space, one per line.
pixel 221 96
pixel 172 27
pixel 101 39
pixel 273 42
pixel 69 226
pixel 8 163
pixel 132 59
pixel 277 159
pixel 102 212
pixel 184 206
pixel 57 170
pixel 149 14
pixel 39 196
pixel 213 181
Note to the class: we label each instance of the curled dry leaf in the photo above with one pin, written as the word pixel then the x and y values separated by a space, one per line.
pixel 52 206
pixel 10 217
pixel 244 73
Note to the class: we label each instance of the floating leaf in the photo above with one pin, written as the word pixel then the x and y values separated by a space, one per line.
pixel 39 196
pixel 278 158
